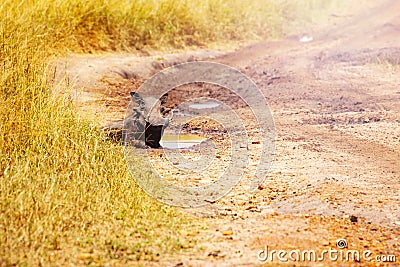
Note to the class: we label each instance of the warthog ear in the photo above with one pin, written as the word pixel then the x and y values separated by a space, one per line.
pixel 164 98
pixel 136 98
pixel 134 95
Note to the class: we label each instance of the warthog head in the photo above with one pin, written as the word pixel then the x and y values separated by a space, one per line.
pixel 146 117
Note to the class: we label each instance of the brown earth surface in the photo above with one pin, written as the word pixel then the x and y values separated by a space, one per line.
pixel 336 172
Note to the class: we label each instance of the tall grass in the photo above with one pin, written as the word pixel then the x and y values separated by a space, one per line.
pixel 94 25
pixel 63 191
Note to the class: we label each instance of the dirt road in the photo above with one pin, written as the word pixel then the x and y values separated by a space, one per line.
pixel 336 105
pixel 336 174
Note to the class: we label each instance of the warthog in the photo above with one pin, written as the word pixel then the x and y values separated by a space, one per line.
pixel 144 124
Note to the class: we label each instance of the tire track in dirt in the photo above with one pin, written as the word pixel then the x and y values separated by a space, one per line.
pixel 285 71
pixel 387 159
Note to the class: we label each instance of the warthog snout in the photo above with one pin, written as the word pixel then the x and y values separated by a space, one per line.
pixel 153 135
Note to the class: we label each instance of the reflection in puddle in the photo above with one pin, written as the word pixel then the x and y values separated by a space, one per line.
pixel 204 105
pixel 175 141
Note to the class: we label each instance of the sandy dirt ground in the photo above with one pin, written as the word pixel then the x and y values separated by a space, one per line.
pixel 336 173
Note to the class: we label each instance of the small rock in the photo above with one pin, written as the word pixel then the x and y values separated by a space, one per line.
pixel 305 39
pixel 84 256
pixel 267 211
pixel 353 218
pixel 274 213
pixel 325 242
pixel 214 253
pixel 227 233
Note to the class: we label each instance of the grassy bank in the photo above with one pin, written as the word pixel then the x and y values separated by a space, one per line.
pixel 97 25
pixel 65 194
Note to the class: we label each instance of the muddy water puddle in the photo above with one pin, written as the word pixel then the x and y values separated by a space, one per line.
pixel 181 141
pixel 204 105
